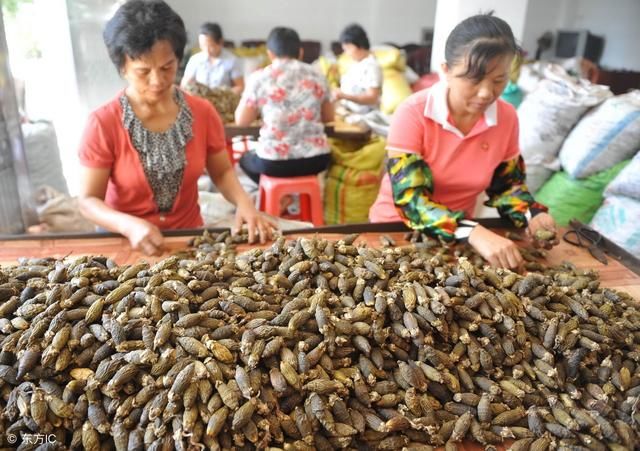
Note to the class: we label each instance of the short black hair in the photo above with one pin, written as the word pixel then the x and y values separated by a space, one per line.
pixel 137 25
pixel 212 30
pixel 284 42
pixel 355 34
pixel 479 39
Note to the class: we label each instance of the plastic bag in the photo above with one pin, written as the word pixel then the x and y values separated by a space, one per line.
pixel 512 94
pixel 569 198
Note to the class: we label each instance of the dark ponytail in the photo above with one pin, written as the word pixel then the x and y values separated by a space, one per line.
pixel 479 39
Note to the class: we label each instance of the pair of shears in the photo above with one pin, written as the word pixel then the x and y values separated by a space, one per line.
pixel 583 236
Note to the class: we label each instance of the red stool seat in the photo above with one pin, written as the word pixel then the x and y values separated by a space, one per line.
pixel 272 189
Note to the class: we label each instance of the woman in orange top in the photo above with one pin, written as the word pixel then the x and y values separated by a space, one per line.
pixel 449 143
pixel 142 152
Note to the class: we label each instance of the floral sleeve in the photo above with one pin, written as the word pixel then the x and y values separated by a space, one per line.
pixel 412 186
pixel 509 193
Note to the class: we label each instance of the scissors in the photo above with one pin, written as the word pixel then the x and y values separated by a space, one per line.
pixel 583 236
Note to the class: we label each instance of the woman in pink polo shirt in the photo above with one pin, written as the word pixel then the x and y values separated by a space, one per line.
pixel 449 143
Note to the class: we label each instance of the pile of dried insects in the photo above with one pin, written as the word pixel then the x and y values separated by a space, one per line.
pixel 315 344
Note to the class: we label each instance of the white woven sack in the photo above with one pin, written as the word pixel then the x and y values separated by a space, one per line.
pixel 627 183
pixel 617 219
pixel 530 76
pixel 43 156
pixel 548 113
pixel 604 137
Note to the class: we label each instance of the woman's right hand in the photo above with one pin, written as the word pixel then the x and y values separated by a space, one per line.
pixel 498 251
pixel 144 236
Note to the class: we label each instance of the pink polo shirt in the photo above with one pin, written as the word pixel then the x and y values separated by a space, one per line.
pixel 462 165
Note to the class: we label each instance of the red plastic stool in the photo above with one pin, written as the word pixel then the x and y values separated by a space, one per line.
pixel 272 189
pixel 232 157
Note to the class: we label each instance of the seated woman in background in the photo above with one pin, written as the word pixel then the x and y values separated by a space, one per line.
pixel 214 66
pixel 142 152
pixel 361 85
pixel 293 101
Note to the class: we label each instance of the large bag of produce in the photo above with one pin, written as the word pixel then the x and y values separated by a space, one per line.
pixel 57 212
pixel 569 198
pixel 353 180
pixel 43 156
pixel 548 113
pixel 617 219
pixel 395 88
pixel 530 75
pixel 328 67
pixel 627 183
pixel 605 136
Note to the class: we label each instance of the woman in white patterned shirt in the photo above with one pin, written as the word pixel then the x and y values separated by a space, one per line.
pixel 293 101
pixel 361 85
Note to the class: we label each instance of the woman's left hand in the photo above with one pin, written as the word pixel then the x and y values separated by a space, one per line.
pixel 258 225
pixel 541 221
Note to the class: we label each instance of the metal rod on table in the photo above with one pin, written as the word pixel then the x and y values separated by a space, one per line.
pixel 388 227
pixel 98 235
pixel 612 249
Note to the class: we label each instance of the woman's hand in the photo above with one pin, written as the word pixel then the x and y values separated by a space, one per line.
pixel 540 222
pixel 144 236
pixel 258 225
pixel 497 250
pixel 336 94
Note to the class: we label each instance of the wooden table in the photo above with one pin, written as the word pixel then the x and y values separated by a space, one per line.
pixel 614 275
pixel 338 129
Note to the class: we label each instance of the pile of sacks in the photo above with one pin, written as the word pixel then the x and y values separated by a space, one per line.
pixel 576 138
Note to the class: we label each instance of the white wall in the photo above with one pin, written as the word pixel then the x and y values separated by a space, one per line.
pixel 542 16
pixel 98 79
pixel 400 22
pixel 618 21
